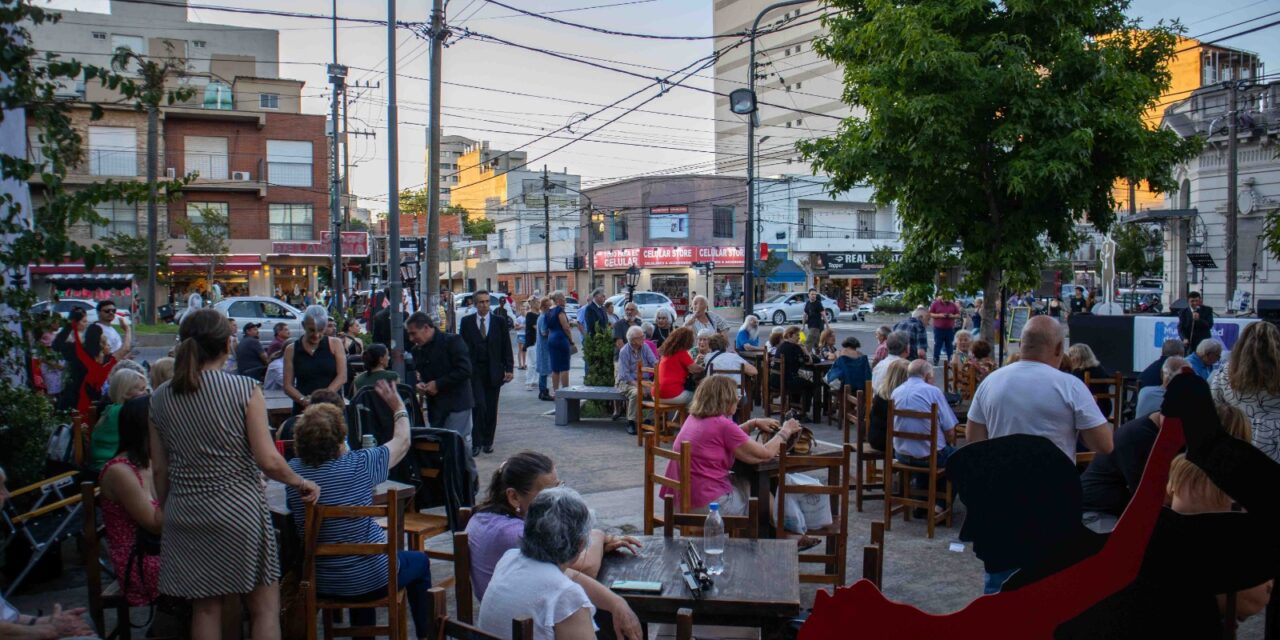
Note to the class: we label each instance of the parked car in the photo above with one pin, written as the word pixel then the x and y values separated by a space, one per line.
pixel 648 302
pixel 263 310
pixel 64 306
pixel 496 299
pixel 789 307
pixel 571 309
pixel 1144 288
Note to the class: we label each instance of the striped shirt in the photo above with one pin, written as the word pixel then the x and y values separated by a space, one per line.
pixel 348 481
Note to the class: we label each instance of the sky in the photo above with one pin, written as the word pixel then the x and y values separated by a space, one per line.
pixel 556 91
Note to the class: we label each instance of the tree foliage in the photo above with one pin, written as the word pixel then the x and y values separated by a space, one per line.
pixel 208 237
pixel 129 252
pixel 1133 242
pixel 995 126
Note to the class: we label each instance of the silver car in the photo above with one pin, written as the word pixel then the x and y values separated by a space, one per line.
pixel 264 310
pixel 648 303
pixel 789 307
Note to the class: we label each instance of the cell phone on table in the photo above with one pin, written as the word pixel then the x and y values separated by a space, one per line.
pixel 636 586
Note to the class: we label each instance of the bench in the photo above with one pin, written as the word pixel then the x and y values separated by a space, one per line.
pixel 569 399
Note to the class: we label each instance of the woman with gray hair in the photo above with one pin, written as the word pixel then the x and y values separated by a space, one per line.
pixel 532 581
pixel 313 362
pixel 882 348
pixel 663 324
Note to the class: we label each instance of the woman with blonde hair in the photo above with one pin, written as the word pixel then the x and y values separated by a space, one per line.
pixel 825 347
pixel 878 421
pixel 1251 383
pixel 161 371
pixel 123 384
pixel 1084 361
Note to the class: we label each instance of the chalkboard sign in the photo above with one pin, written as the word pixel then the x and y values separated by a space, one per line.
pixel 1017 319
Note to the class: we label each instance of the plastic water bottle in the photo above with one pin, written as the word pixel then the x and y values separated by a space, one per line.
pixel 713 541
pixel 368 441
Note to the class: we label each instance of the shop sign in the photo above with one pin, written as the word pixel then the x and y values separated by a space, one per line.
pixel 680 256
pixel 838 261
pixel 355 244
pixel 95 294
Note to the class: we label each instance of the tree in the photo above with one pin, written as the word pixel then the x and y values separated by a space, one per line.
pixel 413 202
pixel 474 228
pixel 1133 243
pixel 995 126
pixel 208 237
pixel 769 266
pixel 129 252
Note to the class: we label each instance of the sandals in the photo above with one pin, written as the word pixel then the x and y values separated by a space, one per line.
pixel 808 542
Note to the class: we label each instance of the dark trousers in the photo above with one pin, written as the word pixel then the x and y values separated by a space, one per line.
pixel 415 578
pixel 484 417
pixel 943 339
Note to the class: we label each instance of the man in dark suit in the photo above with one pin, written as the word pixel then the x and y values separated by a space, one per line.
pixel 1194 322
pixel 443 367
pixel 488 339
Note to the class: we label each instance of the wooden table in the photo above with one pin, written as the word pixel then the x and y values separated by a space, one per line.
pixel 821 390
pixel 760 586
pixel 761 476
pixel 279 406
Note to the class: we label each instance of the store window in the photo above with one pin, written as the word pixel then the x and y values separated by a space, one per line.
pixel 291 222
pixel 727 290
pixel 675 287
pixel 723 217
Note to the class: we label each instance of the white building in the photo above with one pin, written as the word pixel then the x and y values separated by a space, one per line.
pixel 1194 218
pixel 521 242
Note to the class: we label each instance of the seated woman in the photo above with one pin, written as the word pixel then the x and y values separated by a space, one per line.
pixel 749 335
pixel 350 338
pixel 964 343
pixel 376 360
pixel 675 365
pixel 775 339
pixel 800 385
pixel 348 478
pixel 1084 361
pixel 498 526
pixel 535 581
pixel 129 503
pixel 715 442
pixel 161 372
pixel 319 396
pixel 878 421
pixel 648 338
pixel 980 360
pixel 123 384
pixel 851 368
pixel 824 348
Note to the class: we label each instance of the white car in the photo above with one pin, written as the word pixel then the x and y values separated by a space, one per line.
pixel 789 307
pixel 648 303
pixel 64 306
pixel 264 310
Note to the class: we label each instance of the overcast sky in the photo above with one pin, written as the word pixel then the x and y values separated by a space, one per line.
pixel 565 88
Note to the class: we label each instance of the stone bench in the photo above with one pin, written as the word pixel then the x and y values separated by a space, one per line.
pixel 569 399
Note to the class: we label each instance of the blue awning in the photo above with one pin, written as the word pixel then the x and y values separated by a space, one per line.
pixel 787 273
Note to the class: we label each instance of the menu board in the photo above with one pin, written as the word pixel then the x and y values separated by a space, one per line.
pixel 1017 319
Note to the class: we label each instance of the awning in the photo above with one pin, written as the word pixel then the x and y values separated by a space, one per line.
pixel 788 272
pixel 234 262
pixel 92 280
pixel 1159 215
pixel 77 268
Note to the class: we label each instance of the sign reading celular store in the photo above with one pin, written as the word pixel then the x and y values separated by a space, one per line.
pixel 682 256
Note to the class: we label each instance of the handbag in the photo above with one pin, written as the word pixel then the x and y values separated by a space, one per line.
pixel 800 443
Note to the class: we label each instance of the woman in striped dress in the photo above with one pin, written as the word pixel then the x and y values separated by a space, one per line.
pixel 210 448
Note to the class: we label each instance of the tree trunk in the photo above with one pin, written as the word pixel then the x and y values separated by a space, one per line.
pixel 990 296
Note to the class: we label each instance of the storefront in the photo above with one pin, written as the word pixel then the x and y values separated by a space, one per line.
pixel 96 287
pixel 849 277
pixel 679 272
pixel 294 265
pixel 236 275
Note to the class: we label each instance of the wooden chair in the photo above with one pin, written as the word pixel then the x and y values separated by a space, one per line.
pixel 462 589
pixel 100 598
pixel 907 500
pixel 446 627
pixel 747 526
pixel 835 554
pixel 647 383
pixel 873 556
pixel 420 527
pixel 768 392
pixel 868 476
pixel 684 624
pixel 654 476
pixel 1114 393
pixel 951 377
pixel 394 601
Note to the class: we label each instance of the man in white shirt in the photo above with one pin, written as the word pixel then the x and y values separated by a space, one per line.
pixel 1032 396
pixel 918 393
pixel 722 362
pixel 896 345
pixel 117 345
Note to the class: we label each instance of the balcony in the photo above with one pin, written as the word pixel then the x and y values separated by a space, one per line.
pixel 809 240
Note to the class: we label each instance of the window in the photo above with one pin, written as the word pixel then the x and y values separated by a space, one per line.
pixel 113 151
pixel 289 163
pixel 518 284
pixel 561 283
pixel 273 310
pixel 537 233
pixel 199 44
pixel 206 156
pixel 99 35
pixel 269 100
pixel 798 85
pixel 788 124
pixel 133 43
pixel 502 238
pixel 35 149
pixel 244 309
pixel 195 213
pixel 723 218
pixel 619 226
pixel 597 226
pixel 291 222
pixel 121 217
pixel 537 285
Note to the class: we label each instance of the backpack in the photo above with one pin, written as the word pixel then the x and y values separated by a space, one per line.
pixel 61 448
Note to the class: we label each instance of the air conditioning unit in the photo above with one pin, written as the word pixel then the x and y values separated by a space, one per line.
pixel 171 173
pixel 240 176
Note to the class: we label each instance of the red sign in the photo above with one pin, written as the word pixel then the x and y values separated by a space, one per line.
pixel 668 257
pixel 764 251
pixel 355 244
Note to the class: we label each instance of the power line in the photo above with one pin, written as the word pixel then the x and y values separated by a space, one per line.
pixel 611 32
pixel 598 6
pixel 182 4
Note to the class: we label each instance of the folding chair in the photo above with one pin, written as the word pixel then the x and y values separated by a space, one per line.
pixel 654 476
pixel 49 520
pixel 835 555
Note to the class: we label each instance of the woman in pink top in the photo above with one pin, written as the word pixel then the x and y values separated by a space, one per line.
pixel 716 442
pixel 129 505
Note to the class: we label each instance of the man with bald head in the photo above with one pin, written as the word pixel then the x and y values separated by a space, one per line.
pixel 918 393
pixel 1032 396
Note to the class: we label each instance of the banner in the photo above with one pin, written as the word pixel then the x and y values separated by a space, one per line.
pixel 679 256
pixel 1150 332
pixel 355 244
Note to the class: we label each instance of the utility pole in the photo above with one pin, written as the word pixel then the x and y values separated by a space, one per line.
pixel 1232 178
pixel 337 78
pixel 546 228
pixel 432 284
pixel 153 124
pixel 393 202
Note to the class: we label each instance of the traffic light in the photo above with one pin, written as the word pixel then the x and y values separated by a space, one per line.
pixel 764 251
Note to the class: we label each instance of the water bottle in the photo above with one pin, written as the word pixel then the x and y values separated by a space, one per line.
pixel 713 541
pixel 368 441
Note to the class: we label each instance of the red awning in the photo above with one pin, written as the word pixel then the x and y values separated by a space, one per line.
pixel 66 267
pixel 234 262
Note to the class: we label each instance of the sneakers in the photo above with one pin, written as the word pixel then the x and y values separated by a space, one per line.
pixel 631 427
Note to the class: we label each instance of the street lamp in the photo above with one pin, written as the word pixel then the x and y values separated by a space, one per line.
pixel 633 278
pixel 743 102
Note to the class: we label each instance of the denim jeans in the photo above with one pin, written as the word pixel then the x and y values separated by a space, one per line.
pixel 991 582
pixel 943 339
pixel 415 578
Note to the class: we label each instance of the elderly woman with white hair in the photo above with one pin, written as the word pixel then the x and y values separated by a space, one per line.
pixel 663 324
pixel 701 318
pixel 313 362
pixel 533 581
pixel 748 335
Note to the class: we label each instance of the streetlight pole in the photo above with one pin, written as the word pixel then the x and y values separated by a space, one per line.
pixel 748 263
